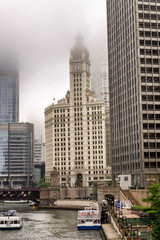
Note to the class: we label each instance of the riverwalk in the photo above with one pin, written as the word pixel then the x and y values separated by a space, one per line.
pixel 110 232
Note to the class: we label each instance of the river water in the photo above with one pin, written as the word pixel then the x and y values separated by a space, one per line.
pixel 46 224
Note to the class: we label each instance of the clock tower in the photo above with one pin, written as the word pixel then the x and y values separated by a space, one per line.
pixel 79 72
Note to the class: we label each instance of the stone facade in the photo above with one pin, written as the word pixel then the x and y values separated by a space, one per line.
pixel 52 193
pixel 75 128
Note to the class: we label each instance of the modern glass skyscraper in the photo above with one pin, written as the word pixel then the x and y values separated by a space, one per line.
pixel 16 139
pixel 9 95
pixel 134 81
pixel 16 154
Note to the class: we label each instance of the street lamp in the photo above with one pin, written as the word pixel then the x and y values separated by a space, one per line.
pixel 136 233
pixel 130 228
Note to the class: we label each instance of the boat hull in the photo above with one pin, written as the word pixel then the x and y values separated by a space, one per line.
pixel 89 227
pixel 10 228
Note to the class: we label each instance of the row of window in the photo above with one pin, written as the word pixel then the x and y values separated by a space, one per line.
pixel 149 25
pixel 153 52
pixel 152 1
pixel 150 61
pixel 149 16
pixel 150 107
pixel 149 43
pixel 149 34
pixel 149 7
pixel 151 135
pixel 150 79
pixel 77 85
pixel 150 70
pixel 151 126
pixel 151 145
pixel 151 98
pixel 61 111
pixel 152 164
pixel 150 89
pixel 77 75
pixel 151 116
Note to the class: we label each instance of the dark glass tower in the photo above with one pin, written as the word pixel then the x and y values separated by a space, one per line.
pixel 9 95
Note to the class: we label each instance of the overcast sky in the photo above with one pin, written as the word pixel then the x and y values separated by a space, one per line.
pixel 42 32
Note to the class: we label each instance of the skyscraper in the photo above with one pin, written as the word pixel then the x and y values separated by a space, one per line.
pixel 16 139
pixel 9 94
pixel 75 128
pixel 134 82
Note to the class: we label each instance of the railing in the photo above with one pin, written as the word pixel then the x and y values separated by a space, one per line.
pixel 122 191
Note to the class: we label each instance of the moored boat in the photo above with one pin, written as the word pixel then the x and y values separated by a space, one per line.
pixel 10 220
pixel 16 202
pixel 89 219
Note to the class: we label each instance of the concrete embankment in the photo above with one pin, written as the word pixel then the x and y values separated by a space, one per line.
pixel 109 232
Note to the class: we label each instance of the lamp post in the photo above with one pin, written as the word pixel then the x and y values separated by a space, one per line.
pixel 136 233
pixel 130 229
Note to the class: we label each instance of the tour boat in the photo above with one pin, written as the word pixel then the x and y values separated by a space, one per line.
pixel 16 202
pixel 89 219
pixel 10 220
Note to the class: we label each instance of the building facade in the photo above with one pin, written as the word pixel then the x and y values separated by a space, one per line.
pixel 16 154
pixel 134 82
pixel 16 139
pixel 75 128
pixel 99 76
pixel 9 95
pixel 39 159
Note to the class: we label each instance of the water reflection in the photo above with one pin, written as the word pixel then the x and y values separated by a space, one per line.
pixel 47 225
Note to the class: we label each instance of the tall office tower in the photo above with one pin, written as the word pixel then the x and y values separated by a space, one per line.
pixel 16 154
pixel 9 94
pixel 16 139
pixel 75 128
pixel 134 81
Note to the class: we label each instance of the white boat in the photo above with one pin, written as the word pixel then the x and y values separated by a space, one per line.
pixel 16 202
pixel 10 220
pixel 89 219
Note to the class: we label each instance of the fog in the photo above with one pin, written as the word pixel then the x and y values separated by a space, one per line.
pixel 41 34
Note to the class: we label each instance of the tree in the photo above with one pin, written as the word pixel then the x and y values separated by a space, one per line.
pixel 42 183
pixel 154 209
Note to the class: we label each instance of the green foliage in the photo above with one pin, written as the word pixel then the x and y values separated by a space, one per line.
pixel 154 199
pixel 42 183
pixel 140 208
pixel 33 183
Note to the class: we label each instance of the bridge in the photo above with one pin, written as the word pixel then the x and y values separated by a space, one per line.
pixel 10 194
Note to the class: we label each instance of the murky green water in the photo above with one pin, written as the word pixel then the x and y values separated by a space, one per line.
pixel 46 225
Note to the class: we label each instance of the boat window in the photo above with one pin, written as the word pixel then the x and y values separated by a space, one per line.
pixel 1 222
pixel 15 222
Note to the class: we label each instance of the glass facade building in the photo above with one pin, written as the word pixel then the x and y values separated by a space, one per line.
pixel 9 95
pixel 16 154
pixel 16 139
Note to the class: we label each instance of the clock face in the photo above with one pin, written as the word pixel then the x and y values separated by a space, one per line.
pixel 77 67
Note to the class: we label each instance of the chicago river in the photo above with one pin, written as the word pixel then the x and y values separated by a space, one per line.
pixel 46 224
